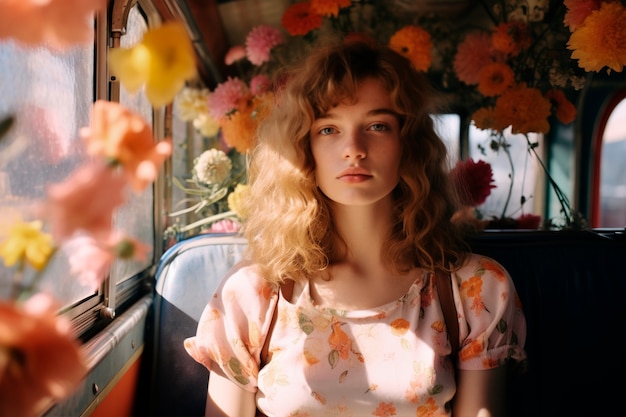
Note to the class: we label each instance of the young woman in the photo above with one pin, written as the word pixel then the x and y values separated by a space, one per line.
pixel 335 311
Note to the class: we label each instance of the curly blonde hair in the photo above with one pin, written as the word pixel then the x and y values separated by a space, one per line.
pixel 290 229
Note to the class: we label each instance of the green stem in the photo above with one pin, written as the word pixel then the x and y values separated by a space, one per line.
pixel 505 146
pixel 208 220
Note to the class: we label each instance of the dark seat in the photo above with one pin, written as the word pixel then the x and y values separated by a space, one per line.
pixel 572 286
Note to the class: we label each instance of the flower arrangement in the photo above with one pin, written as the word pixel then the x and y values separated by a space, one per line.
pixel 41 360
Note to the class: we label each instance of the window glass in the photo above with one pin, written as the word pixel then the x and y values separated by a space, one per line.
pixel 136 216
pixel 448 126
pixel 50 94
pixel 613 170
pixel 522 165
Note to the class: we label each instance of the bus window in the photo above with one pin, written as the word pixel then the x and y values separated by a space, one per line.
pixel 612 201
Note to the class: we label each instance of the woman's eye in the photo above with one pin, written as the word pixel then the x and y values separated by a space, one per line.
pixel 379 127
pixel 326 131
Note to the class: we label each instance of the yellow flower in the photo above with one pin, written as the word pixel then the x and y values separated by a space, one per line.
pixel 236 198
pixel 414 43
pixel 163 61
pixel 26 242
pixel 601 39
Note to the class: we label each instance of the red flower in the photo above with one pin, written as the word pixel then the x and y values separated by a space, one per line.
pixel 473 181
pixel 528 221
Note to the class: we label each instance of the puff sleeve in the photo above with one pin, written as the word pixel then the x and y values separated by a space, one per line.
pixel 233 327
pixel 492 322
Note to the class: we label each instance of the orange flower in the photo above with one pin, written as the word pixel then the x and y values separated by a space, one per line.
pixel 40 360
pixel 59 24
pixel 511 37
pixel 385 410
pixel 472 54
pixel 472 350
pixel 414 43
pixel 495 78
pixel 565 110
pixel 299 19
pixel 125 137
pixel 239 128
pixel 85 201
pixel 339 341
pixel 329 7
pixel 601 40
pixel 578 10
pixel 429 409
pixel 485 118
pixel 399 327
pixel 525 109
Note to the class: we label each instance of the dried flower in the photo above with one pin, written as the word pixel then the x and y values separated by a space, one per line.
pixel 212 167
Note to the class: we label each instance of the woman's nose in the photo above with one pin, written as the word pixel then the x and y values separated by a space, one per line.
pixel 354 147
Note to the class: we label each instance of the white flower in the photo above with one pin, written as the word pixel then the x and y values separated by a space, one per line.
pixel 192 103
pixel 206 125
pixel 212 167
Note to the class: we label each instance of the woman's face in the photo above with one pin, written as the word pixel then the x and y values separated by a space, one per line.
pixel 356 147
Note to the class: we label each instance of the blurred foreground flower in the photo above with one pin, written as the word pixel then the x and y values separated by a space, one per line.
pixel 163 61
pixel 57 24
pixel 40 359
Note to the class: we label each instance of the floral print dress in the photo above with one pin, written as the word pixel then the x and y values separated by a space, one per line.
pixel 388 361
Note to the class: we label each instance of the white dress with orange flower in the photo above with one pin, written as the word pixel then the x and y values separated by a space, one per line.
pixel 390 360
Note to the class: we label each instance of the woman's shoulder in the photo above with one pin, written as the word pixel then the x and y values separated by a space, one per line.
pixel 477 265
pixel 245 278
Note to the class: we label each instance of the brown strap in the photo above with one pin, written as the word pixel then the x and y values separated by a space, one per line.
pixel 446 298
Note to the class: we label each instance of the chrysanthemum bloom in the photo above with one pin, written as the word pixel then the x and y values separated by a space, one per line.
pixel 40 360
pixel 239 129
pixel 414 43
pixel 162 61
pixel 601 40
pixel 235 54
pixel 236 198
pixel 511 38
pixel 525 109
pixel 472 55
pixel 485 118
pixel 85 201
pixel 473 181
pixel 495 78
pixel 57 24
pixel 329 7
pixel 192 102
pixel 26 243
pixel 213 166
pixel 125 137
pixel 206 125
pixel 565 111
pixel 226 97
pixel 299 19
pixel 259 43
pixel 577 12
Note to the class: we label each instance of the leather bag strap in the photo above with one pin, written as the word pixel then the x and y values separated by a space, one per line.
pixel 446 298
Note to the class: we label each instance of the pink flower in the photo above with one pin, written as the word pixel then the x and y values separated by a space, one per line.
pixel 473 53
pixel 90 259
pixel 40 360
pixel 85 201
pixel 473 181
pixel 259 84
pixel 235 54
pixel 224 226
pixel 259 43
pixel 58 24
pixel 125 137
pixel 226 97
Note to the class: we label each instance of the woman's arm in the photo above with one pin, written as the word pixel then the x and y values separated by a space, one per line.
pixel 481 391
pixel 226 399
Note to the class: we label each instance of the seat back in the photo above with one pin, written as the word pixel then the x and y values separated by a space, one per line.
pixel 186 278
